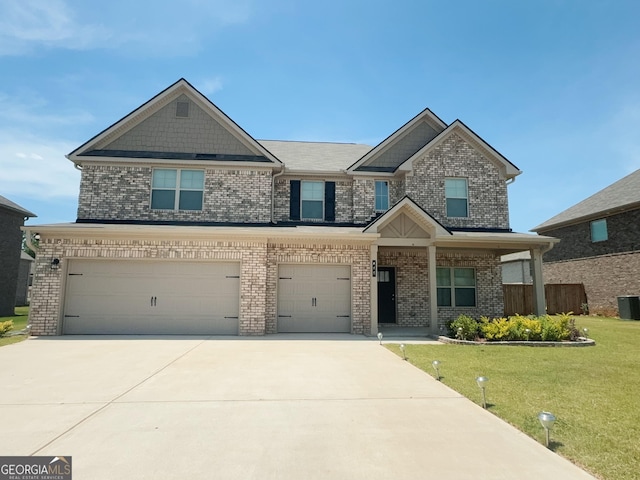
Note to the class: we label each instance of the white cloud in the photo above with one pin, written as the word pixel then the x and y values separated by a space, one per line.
pixel 28 25
pixel 36 167
pixel 49 23
pixel 210 86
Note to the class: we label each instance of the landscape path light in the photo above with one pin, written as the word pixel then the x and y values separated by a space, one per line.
pixel 380 337
pixel 436 366
pixel 404 354
pixel 586 332
pixel 482 383
pixel 547 419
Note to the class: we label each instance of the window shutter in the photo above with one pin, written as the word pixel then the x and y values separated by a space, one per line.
pixel 330 201
pixel 294 205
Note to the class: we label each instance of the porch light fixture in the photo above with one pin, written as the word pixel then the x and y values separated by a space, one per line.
pixel 404 353
pixel 482 383
pixel 55 264
pixel 380 337
pixel 547 419
pixel 436 366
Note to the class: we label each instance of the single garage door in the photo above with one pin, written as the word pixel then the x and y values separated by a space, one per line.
pixel 314 298
pixel 151 297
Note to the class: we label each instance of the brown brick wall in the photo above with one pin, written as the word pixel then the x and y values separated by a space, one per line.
pixel 604 277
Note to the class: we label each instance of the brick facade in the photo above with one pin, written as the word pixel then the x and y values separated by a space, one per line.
pixel 455 157
pixel 115 192
pixel 258 277
pixel 605 278
pixel 575 240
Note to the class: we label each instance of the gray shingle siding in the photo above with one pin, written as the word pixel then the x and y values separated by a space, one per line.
pixel 403 148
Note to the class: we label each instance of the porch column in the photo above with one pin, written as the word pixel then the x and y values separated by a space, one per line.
pixel 433 291
pixel 374 289
pixel 539 302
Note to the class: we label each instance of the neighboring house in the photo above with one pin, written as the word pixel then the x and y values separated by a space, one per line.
pixel 600 244
pixel 12 217
pixel 516 268
pixel 25 277
pixel 188 225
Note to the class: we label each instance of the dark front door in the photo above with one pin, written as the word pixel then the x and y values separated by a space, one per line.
pixel 386 295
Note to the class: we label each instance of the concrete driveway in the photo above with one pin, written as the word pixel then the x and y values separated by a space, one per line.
pixel 279 407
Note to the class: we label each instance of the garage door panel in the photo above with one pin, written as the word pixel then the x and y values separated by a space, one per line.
pixel 314 298
pixel 164 297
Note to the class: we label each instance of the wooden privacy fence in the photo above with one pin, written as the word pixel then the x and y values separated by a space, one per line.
pixel 561 298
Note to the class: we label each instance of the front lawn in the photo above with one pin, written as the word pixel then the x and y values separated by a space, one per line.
pixel 20 320
pixel 593 391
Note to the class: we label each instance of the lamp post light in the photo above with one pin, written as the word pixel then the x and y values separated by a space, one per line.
pixel 404 354
pixel 436 366
pixel 380 337
pixel 482 383
pixel 547 419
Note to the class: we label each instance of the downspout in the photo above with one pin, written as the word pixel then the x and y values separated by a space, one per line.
pixel 273 194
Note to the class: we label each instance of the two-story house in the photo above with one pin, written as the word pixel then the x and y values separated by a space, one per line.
pixel 188 225
pixel 600 244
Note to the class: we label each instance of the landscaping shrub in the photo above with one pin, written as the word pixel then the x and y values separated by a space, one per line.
pixel 516 328
pixel 5 327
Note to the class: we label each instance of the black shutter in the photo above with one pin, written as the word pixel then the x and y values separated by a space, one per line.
pixel 330 201
pixel 294 205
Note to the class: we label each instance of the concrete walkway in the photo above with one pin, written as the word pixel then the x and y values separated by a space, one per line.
pixel 279 407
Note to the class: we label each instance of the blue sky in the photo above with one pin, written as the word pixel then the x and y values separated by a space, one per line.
pixel 551 84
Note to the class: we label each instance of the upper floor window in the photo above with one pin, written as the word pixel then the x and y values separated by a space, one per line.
pixel 456 287
pixel 456 193
pixel 599 230
pixel 382 196
pixel 312 197
pixel 174 189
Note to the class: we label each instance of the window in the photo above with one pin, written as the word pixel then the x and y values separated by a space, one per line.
pixel 177 189
pixel 456 287
pixel 312 197
pixel 599 230
pixel 455 190
pixel 382 196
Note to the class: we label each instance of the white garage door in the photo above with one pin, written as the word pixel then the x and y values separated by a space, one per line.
pixel 314 298
pixel 151 297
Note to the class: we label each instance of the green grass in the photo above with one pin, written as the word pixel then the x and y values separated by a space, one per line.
pixel 593 391
pixel 20 320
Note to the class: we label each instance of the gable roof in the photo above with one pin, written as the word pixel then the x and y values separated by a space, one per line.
pixel 315 156
pixel 617 197
pixel 93 147
pixel 7 204
pixel 415 211
pixel 368 161
pixel 508 169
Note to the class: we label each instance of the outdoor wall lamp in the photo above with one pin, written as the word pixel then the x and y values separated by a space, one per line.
pixel 482 383
pixel 404 354
pixel 436 366
pixel 380 337
pixel 547 420
pixel 55 264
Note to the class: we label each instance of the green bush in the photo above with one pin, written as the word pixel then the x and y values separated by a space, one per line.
pixel 5 327
pixel 464 328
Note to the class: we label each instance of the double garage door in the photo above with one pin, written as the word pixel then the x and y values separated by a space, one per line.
pixel 151 297
pixel 196 298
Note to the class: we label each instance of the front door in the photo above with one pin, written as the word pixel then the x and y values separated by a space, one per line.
pixel 386 295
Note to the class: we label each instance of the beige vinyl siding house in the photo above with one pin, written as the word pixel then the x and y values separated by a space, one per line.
pixel 188 225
